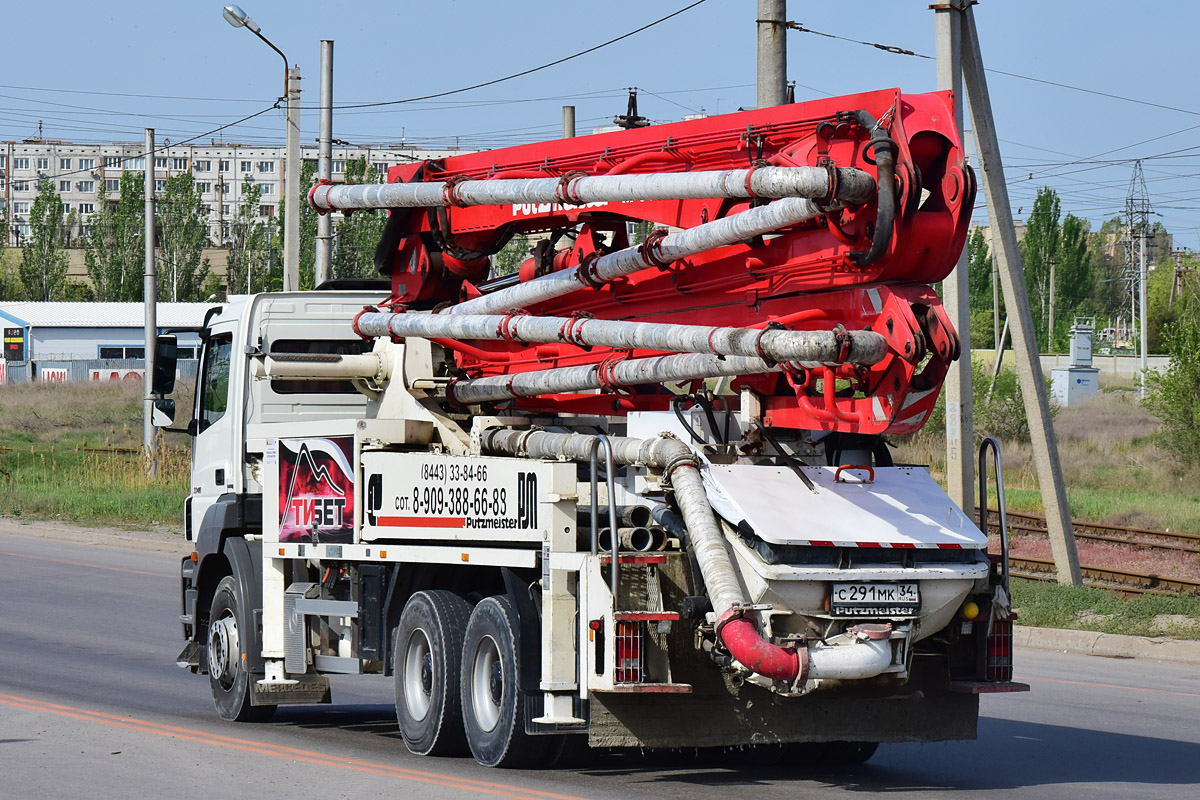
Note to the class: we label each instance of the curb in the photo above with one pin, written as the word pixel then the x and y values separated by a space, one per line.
pixel 1107 645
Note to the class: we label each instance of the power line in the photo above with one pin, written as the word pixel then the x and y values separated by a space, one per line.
pixel 529 71
pixel 901 51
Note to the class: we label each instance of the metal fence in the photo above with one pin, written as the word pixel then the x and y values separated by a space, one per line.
pixel 91 369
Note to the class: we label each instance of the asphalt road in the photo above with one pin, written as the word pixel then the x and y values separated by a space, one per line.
pixel 92 705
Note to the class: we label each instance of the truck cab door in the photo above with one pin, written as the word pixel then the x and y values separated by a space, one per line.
pixel 213 449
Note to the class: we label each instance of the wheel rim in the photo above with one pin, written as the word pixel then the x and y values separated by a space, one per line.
pixel 223 648
pixel 487 683
pixel 418 675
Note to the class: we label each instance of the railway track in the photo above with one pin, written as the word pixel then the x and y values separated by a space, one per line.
pixel 1124 581
pixel 1021 523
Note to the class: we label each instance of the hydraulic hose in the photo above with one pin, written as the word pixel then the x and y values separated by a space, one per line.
pixel 885 179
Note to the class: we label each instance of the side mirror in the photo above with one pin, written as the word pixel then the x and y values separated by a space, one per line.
pixel 163 412
pixel 166 354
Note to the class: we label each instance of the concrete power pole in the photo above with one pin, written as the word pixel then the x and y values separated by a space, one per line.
pixel 150 290
pixel 1144 365
pixel 324 255
pixel 1016 300
pixel 295 196
pixel 960 411
pixel 772 53
pixel 568 122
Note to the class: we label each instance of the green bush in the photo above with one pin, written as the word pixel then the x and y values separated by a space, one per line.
pixel 1174 395
pixel 999 412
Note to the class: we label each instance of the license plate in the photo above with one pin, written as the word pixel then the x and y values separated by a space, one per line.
pixel 874 599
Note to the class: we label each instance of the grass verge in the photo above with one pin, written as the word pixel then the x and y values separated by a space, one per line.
pixel 61 457
pixel 1052 605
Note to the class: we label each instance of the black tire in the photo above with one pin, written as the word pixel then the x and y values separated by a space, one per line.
pixel 492 703
pixel 225 644
pixel 833 754
pixel 426 662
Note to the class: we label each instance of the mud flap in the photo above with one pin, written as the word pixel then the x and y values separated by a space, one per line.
pixel 305 689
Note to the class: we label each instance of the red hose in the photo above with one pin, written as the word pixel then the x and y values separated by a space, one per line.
pixel 744 643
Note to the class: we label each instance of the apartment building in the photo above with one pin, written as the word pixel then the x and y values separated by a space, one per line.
pixel 221 169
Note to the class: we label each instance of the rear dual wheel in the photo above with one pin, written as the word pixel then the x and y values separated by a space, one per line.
pixel 427 657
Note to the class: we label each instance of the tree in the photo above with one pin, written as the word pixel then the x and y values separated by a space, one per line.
pixel 360 232
pixel 43 267
pixel 510 257
pixel 114 253
pixel 249 263
pixel 183 233
pixel 1073 278
pixel 1038 248
pixel 979 272
pixel 1175 394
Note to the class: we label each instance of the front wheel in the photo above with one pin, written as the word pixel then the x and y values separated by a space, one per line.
pixel 227 674
pixel 492 703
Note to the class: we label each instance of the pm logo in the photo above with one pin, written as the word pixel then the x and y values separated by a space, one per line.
pixel 374 496
pixel 526 500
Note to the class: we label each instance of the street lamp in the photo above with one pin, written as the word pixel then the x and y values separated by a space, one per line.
pixel 238 18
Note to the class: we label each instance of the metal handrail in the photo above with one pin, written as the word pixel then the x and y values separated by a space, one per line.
pixel 990 442
pixel 612 507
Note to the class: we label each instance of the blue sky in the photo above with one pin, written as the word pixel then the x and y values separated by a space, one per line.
pixel 196 72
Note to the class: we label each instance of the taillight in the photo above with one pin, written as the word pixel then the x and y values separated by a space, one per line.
pixel 999 665
pixel 628 668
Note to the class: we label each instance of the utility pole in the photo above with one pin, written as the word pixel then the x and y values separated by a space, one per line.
pixel 996 307
pixel 150 291
pixel 1016 300
pixel 324 254
pixel 1144 365
pixel 772 53
pixel 1050 320
pixel 568 122
pixel 294 197
pixel 960 411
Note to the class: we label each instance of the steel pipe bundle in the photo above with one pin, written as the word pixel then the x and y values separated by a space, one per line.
pixel 865 347
pixel 672 247
pixel 844 185
pixel 565 380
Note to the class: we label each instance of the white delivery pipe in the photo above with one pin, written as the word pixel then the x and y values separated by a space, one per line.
pixel 365 366
pixel 855 660
pixel 672 247
pixel 847 186
pixel 658 369
pixel 825 347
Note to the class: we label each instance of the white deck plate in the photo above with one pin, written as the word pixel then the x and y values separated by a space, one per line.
pixel 903 508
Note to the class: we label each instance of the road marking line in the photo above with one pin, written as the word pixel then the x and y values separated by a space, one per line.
pixel 280 751
pixel 92 566
pixel 1111 686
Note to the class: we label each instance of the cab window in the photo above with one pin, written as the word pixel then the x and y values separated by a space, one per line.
pixel 214 386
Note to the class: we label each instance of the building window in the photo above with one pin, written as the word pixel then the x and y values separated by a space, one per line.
pixel 112 185
pixel 185 353
pixel 43 163
pixel 266 211
pixel 112 162
pixel 266 166
pixel 268 188
pixel 87 163
pixel 160 185
pixel 223 165
pixel 20 163
pixel 135 163
pixel 3 162
pixel 23 230
pixel 122 351
pixel 225 208
pixel 203 166
pixel 86 186
pixel 179 163
pixel 20 186
pixel 86 208
pixel 64 163
pixel 64 186
pixel 203 188
pixel 160 162
pixel 20 207
pixel 339 165
pixel 246 166
pixel 66 208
